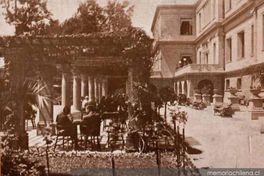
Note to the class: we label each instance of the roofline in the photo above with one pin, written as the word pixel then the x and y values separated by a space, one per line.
pixel 169 6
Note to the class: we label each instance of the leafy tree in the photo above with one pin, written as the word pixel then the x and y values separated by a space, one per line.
pixel 118 15
pixel 138 53
pixel 88 19
pixel 28 16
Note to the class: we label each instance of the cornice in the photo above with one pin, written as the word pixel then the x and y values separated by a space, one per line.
pixel 172 42
pixel 208 31
pixel 169 6
pixel 238 12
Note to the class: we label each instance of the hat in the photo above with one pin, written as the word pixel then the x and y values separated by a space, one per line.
pixel 86 97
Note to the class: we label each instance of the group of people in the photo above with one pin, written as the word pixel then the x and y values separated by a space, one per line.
pixel 112 103
pixel 90 109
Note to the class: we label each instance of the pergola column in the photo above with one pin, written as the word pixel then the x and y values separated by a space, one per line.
pixel 65 90
pixel 91 88
pixel 104 87
pixel 84 88
pixel 76 93
pixel 95 89
pixel 99 89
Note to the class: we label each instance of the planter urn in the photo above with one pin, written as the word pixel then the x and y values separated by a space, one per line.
pixel 217 99
pixel 197 97
pixel 234 101
pixel 256 105
pixel 207 99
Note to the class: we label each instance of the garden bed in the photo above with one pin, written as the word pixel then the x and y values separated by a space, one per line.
pixel 101 162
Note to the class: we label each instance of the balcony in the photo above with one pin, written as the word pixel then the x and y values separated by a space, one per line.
pixel 198 68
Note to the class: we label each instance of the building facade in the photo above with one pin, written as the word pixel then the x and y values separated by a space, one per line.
pixel 211 44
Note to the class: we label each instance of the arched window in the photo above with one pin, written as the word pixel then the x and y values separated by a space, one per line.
pixel 186 27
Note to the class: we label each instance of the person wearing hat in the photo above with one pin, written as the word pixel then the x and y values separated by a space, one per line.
pixel 85 102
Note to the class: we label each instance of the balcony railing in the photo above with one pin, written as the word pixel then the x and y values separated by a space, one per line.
pixel 199 68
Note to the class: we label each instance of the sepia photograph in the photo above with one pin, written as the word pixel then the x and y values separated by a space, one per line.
pixel 131 87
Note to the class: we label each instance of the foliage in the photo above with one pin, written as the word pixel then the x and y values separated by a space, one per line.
pixel 31 93
pixel 30 16
pixel 226 111
pixel 233 90
pixel 258 80
pixel 88 19
pixel 146 93
pixel 166 93
pixel 206 90
pixel 138 53
pixel 91 18
pixel 180 116
pixel 17 162
pixel 118 15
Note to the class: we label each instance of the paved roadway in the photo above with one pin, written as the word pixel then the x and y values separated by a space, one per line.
pixel 225 142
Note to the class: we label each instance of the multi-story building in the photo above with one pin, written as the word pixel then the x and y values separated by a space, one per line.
pixel 215 44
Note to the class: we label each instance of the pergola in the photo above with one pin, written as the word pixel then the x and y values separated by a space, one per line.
pixel 85 61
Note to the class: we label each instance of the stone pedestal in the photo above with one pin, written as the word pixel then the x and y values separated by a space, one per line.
pixel 234 101
pixel 255 107
pixel 206 99
pixel 197 97
pixel 217 99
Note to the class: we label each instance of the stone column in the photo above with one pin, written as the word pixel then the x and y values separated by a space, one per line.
pixel 174 87
pixel 178 88
pixel 96 88
pixel 104 91
pixel 182 84
pixel 255 37
pixel 84 88
pixel 65 90
pixel 91 88
pixel 99 84
pixel 189 89
pixel 76 93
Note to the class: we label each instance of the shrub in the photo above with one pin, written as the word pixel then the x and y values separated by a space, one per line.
pixel 18 162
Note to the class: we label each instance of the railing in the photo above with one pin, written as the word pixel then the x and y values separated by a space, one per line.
pixel 198 68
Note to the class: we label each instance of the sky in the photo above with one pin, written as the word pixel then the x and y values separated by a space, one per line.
pixel 62 9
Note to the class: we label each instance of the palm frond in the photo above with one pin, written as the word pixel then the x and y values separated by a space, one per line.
pixel 38 90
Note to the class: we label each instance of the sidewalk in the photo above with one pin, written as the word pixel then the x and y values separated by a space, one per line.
pixel 225 142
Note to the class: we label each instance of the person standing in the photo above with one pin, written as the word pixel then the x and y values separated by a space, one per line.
pixel 85 102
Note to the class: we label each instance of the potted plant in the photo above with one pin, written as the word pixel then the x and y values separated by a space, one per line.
pixel 205 91
pixel 197 91
pixel 232 91
pixel 255 90
pixel 216 91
